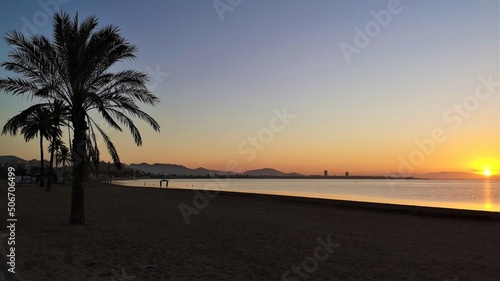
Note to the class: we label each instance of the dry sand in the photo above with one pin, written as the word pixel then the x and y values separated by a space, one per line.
pixel 243 237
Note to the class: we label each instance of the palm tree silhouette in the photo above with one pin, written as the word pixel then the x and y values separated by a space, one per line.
pixel 60 116
pixel 75 69
pixel 63 157
pixel 53 148
pixel 56 146
pixel 35 121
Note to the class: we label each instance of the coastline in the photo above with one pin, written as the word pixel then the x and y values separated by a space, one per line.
pixel 384 207
pixel 369 191
pixel 238 236
pixel 359 205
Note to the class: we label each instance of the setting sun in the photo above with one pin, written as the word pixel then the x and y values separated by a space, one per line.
pixel 486 166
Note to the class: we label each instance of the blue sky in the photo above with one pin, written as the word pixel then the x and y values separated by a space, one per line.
pixel 225 78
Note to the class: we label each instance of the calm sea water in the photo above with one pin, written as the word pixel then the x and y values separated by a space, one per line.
pixel 459 194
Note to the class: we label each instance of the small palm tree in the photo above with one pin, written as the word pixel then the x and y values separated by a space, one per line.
pixel 56 145
pixel 53 148
pixel 59 117
pixel 35 121
pixel 63 157
pixel 75 68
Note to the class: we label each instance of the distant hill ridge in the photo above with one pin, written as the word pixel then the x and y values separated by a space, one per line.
pixel 11 159
pixel 175 169
pixel 270 172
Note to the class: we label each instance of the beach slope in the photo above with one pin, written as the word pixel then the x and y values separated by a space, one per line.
pixel 141 234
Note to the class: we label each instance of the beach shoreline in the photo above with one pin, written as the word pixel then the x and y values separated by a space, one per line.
pixel 141 232
pixel 363 205
pixel 460 195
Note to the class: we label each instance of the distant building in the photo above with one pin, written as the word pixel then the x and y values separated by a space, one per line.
pixel 346 174
pixel 325 173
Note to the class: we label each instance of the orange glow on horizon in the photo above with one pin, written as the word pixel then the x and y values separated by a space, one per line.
pixel 487 166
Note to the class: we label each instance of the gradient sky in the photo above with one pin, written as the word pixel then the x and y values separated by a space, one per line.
pixel 227 76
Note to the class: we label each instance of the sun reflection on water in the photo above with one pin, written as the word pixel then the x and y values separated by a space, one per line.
pixel 487 195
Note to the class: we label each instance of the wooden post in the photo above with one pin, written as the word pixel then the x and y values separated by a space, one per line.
pixel 166 182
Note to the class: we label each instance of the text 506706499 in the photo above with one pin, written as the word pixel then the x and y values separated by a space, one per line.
pixel 11 220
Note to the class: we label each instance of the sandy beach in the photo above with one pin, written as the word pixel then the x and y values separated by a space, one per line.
pixel 140 234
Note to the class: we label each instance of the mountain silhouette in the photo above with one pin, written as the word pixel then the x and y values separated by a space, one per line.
pixel 269 172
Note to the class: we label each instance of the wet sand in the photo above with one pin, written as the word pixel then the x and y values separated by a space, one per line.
pixel 141 234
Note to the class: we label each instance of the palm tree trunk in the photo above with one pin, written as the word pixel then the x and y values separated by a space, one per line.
pixel 79 157
pixel 69 138
pixel 64 174
pixel 41 159
pixel 51 163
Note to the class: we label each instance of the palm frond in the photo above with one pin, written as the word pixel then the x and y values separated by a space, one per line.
pixel 111 147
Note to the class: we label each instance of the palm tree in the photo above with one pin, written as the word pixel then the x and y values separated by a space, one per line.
pixel 53 148
pixel 63 157
pixel 35 121
pixel 59 117
pixel 75 69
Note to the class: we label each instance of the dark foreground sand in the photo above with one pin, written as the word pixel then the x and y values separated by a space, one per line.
pixel 242 237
